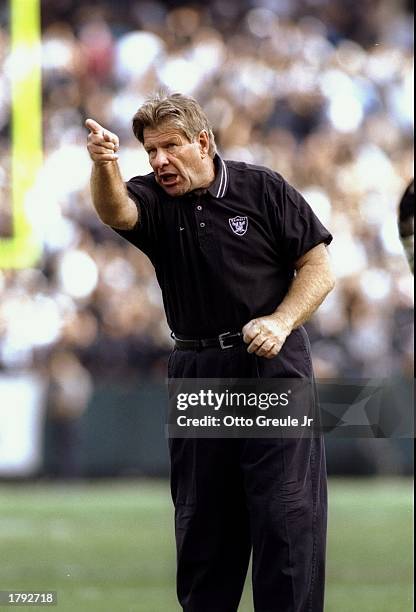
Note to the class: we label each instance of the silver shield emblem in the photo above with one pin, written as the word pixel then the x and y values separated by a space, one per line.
pixel 239 225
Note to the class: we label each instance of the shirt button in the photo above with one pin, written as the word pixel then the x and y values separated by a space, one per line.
pixel 199 207
pixel 202 225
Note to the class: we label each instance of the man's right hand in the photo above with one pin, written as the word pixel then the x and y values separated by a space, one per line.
pixel 102 144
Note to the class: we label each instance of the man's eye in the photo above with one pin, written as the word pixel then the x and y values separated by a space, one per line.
pixel 172 145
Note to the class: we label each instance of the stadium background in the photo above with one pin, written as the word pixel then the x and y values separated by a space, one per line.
pixel 320 91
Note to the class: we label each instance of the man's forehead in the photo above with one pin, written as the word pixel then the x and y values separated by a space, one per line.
pixel 164 130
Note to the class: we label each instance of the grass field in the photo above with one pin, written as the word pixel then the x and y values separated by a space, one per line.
pixel 108 547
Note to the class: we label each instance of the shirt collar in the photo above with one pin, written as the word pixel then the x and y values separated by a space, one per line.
pixel 218 188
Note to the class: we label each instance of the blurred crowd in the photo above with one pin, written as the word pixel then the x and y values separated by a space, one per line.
pixel 319 91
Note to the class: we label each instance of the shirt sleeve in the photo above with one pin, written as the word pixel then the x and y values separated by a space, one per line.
pixel 297 227
pixel 144 234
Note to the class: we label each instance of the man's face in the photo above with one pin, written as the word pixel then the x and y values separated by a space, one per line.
pixel 177 163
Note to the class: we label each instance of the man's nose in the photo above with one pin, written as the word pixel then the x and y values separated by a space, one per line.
pixel 161 159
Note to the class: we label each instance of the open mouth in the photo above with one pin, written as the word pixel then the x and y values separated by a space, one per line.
pixel 168 179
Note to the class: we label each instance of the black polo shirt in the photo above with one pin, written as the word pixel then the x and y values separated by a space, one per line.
pixel 227 255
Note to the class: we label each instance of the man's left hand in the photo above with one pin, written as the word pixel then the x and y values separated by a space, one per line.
pixel 265 336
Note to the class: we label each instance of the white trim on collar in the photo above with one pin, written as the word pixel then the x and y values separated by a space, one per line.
pixel 223 181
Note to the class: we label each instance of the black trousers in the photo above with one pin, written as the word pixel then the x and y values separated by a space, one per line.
pixel 234 496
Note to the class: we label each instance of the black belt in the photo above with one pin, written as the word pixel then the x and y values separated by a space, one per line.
pixel 223 341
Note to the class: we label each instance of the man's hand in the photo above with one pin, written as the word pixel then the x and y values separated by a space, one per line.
pixel 266 335
pixel 102 144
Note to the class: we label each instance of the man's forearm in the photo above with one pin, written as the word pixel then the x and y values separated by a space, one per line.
pixel 308 290
pixel 110 197
pixel 314 279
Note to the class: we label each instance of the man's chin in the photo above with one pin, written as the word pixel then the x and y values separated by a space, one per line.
pixel 174 191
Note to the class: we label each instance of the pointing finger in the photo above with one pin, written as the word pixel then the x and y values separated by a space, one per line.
pixel 93 126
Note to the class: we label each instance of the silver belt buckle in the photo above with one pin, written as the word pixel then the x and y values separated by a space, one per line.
pixel 222 341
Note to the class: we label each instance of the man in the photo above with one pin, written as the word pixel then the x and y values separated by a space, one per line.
pixel 406 221
pixel 241 261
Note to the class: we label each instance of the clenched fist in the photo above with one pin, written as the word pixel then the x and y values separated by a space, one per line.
pixel 265 335
pixel 102 144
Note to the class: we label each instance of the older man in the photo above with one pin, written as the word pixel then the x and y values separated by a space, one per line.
pixel 241 261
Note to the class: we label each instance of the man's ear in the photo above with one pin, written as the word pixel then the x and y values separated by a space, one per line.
pixel 203 140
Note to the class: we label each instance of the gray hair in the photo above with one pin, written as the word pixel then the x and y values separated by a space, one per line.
pixel 182 112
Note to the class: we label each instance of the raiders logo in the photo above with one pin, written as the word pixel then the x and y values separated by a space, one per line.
pixel 239 225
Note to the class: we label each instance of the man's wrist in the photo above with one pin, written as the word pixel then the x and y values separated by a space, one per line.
pixel 284 321
pixel 104 163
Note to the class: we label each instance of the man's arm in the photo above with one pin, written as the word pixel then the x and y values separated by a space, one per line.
pixel 108 191
pixel 313 281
